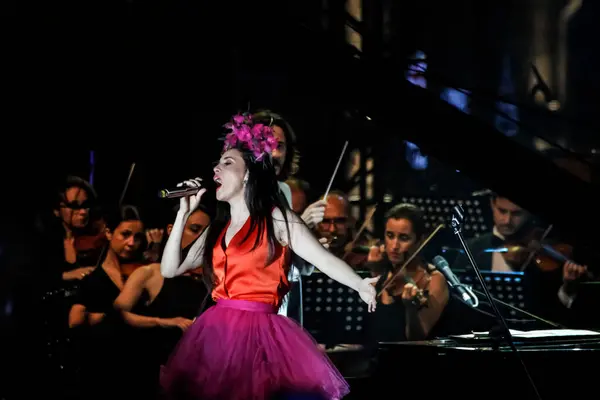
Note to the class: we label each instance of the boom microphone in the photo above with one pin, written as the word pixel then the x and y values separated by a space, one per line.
pixel 442 265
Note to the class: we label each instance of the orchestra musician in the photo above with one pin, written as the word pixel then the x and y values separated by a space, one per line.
pixel 286 160
pixel 506 249
pixel 337 229
pixel 413 303
pixel 125 233
pixel 96 328
pixel 160 309
pixel 82 231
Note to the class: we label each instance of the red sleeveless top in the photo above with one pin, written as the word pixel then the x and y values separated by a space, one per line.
pixel 241 274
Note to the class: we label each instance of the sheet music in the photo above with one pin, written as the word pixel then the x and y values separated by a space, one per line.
pixel 543 333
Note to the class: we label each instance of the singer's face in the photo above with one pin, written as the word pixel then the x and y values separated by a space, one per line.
pixel 126 239
pixel 399 238
pixel 229 175
pixel 74 210
pixel 280 153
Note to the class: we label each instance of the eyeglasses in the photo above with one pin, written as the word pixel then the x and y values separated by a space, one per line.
pixel 73 205
pixel 341 221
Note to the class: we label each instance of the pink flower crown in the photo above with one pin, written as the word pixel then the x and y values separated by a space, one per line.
pixel 257 138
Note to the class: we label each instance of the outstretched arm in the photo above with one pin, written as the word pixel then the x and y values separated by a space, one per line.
pixel 303 243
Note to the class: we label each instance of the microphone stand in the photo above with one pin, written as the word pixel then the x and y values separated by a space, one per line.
pixel 457 219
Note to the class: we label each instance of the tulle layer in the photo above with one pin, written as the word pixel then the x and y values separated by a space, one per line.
pixel 242 350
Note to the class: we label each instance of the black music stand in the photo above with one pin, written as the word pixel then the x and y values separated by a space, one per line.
pixel 509 287
pixel 333 313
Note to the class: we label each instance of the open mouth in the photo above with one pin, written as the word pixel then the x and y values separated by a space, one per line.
pixel 218 182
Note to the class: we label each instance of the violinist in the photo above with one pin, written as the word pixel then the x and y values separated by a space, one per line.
pixel 125 234
pixel 510 221
pixel 413 303
pixel 82 232
pixel 510 246
pixel 337 229
pixel 157 293
pixel 160 309
pixel 96 327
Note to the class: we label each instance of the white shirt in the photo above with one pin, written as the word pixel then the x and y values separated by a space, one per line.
pixel 295 272
pixel 498 264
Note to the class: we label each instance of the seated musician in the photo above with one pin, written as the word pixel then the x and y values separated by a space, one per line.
pixel 411 306
pixel 157 294
pixel 81 240
pixel 96 327
pixel 336 228
pixel 161 309
pixel 494 251
pixel 125 233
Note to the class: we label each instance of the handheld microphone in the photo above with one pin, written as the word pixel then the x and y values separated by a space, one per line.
pixel 180 191
pixel 442 265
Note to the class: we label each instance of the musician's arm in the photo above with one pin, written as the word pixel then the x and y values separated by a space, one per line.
pixel 572 273
pixel 130 295
pixel 420 322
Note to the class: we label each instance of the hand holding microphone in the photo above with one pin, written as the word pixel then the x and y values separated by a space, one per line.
pixel 189 192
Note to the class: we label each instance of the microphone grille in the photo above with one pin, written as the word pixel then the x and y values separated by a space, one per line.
pixel 440 261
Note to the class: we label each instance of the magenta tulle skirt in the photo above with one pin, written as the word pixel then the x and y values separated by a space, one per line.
pixel 243 350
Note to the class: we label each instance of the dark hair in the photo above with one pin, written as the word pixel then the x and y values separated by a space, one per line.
pixel 74 181
pixel 120 214
pixel 201 207
pixel 410 212
pixel 262 195
pixel 291 164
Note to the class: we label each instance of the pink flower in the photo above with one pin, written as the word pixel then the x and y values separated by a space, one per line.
pixel 257 131
pixel 243 133
pixel 272 142
pixel 238 119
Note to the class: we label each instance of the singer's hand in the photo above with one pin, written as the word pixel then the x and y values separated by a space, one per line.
pixel 188 204
pixel 367 292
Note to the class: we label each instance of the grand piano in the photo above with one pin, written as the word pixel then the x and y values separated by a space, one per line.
pixel 451 365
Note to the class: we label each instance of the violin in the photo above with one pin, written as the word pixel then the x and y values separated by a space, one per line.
pixel 92 241
pixel 394 284
pixel 532 246
pixel 420 278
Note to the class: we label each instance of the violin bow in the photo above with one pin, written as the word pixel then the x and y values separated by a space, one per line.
pixel 410 259
pixel 121 198
pixel 360 231
pixel 335 170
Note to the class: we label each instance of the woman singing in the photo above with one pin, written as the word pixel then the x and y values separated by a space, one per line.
pixel 240 348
